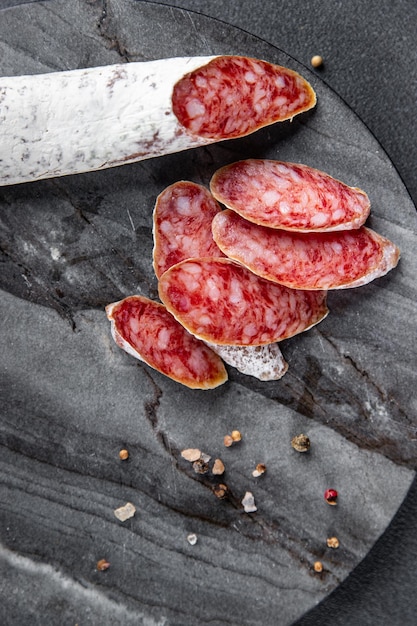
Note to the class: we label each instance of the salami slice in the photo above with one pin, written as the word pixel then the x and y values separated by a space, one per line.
pixel 233 96
pixel 182 225
pixel 330 260
pixel 146 330
pixel 289 196
pixel 222 302
pixel 183 216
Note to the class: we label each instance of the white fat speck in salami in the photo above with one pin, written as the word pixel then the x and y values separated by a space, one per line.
pixel 182 220
pixel 233 96
pixel 222 302
pixel 289 196
pixel 330 260
pixel 146 330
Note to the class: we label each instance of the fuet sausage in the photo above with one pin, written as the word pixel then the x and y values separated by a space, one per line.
pixel 289 196
pixel 89 119
pixel 328 260
pixel 233 96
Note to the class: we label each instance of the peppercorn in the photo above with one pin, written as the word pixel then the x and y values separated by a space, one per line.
pixel 316 60
pixel 220 490
pixel 200 466
pixel 333 542
pixel 330 495
pixel 259 470
pixel 102 565
pixel 301 443
pixel 123 455
pixel 236 435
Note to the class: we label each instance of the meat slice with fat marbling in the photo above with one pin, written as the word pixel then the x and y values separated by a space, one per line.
pixel 329 260
pixel 222 302
pixel 147 331
pixel 289 196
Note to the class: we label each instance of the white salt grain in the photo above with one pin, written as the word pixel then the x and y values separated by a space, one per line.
pixel 192 539
pixel 249 503
pixel 125 512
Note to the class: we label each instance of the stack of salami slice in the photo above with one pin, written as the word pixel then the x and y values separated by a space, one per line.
pixel 236 282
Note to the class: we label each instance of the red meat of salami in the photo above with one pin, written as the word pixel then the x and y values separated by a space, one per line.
pixel 289 196
pixel 233 96
pixel 182 225
pixel 222 302
pixel 146 330
pixel 330 260
pixel 182 222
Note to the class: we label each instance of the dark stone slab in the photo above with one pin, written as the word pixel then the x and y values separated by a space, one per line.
pixel 72 399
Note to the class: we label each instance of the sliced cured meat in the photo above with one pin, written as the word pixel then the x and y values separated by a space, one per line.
pixel 182 225
pixel 183 216
pixel 331 260
pixel 222 302
pixel 146 330
pixel 262 362
pixel 233 96
pixel 289 196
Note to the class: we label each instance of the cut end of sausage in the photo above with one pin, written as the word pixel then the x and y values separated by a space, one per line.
pixel 147 331
pixel 233 96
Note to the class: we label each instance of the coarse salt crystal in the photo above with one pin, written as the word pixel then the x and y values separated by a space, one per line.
pixel 248 503
pixel 125 512
pixel 192 539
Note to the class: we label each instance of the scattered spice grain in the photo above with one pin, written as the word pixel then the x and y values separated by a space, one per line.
pixel 102 565
pixel 259 470
pixel 316 60
pixel 228 441
pixel 330 495
pixel 124 454
pixel 236 435
pixel 333 542
pixel 200 466
pixel 218 467
pixel 220 490
pixel 318 567
pixel 301 443
pixel 191 454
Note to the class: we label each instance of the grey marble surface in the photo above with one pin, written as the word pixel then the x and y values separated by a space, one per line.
pixel 72 399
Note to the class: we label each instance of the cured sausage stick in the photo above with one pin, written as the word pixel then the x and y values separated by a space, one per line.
pixel 83 120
